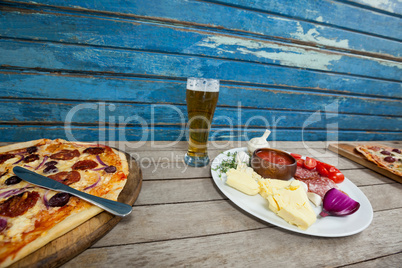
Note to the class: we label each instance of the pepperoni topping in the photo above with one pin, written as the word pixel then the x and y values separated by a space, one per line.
pixel 94 150
pixel 5 157
pixel 375 148
pixel 65 177
pixel 85 164
pixel 31 158
pixel 65 155
pixel 18 204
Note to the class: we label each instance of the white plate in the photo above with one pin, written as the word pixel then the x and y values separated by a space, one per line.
pixel 327 227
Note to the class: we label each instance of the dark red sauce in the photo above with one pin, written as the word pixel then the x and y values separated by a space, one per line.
pixel 274 157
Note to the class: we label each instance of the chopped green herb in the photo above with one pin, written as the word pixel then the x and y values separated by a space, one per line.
pixel 227 164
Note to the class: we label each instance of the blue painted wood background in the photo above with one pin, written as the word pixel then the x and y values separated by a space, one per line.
pixel 116 70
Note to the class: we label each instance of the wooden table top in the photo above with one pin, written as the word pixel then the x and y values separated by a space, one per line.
pixel 182 219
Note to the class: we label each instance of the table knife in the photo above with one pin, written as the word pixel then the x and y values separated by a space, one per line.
pixel 116 208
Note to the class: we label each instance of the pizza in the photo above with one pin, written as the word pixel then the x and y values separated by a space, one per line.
pixel 32 216
pixel 385 157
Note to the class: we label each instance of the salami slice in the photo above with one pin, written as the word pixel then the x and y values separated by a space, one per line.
pixel 319 185
pixel 85 164
pixel 94 150
pixel 5 157
pixel 65 155
pixel 65 177
pixel 304 174
pixel 18 204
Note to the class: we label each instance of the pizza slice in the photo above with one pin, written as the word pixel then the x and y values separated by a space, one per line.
pixel 385 157
pixel 32 216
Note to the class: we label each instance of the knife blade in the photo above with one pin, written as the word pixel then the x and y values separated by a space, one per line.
pixel 114 207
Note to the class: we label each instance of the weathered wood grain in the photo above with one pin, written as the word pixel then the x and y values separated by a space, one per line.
pixel 206 218
pixel 51 56
pixel 254 247
pixel 154 170
pixel 15 132
pixel 16 85
pixel 332 13
pixel 178 191
pixel 284 60
pixel 138 55
pixel 392 6
pixel 106 32
pixel 187 221
pixel 290 27
pixel 393 260
pixel 167 114
pixel 161 192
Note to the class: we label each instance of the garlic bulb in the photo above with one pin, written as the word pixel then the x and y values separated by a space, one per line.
pixel 259 142
pixel 242 158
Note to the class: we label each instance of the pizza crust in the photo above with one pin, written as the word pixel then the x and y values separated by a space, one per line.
pixel 56 231
pixel 20 145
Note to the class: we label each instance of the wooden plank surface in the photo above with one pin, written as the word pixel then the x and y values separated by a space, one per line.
pixel 348 150
pixel 57 112
pixel 289 27
pixel 171 39
pixel 112 90
pixel 283 62
pixel 182 219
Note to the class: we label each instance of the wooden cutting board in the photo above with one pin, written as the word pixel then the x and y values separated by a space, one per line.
pixel 348 150
pixel 71 244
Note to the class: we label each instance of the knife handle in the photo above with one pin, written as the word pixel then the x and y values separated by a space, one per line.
pixel 116 208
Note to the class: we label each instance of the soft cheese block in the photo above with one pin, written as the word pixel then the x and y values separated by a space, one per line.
pixel 291 203
pixel 242 181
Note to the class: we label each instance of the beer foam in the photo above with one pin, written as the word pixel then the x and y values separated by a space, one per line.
pixel 203 84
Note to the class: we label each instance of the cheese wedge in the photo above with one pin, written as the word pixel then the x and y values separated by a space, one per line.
pixel 267 186
pixel 291 203
pixel 242 181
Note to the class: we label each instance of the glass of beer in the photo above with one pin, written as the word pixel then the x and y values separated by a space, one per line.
pixel 201 97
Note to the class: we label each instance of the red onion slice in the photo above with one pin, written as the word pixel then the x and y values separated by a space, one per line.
pixel 93 185
pixel 22 158
pixel 97 169
pixel 8 193
pixel 12 192
pixel 337 203
pixel 100 161
pixel 41 164
pixel 3 224
pixel 45 200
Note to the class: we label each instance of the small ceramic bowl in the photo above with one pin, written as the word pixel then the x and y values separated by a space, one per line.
pixel 282 166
